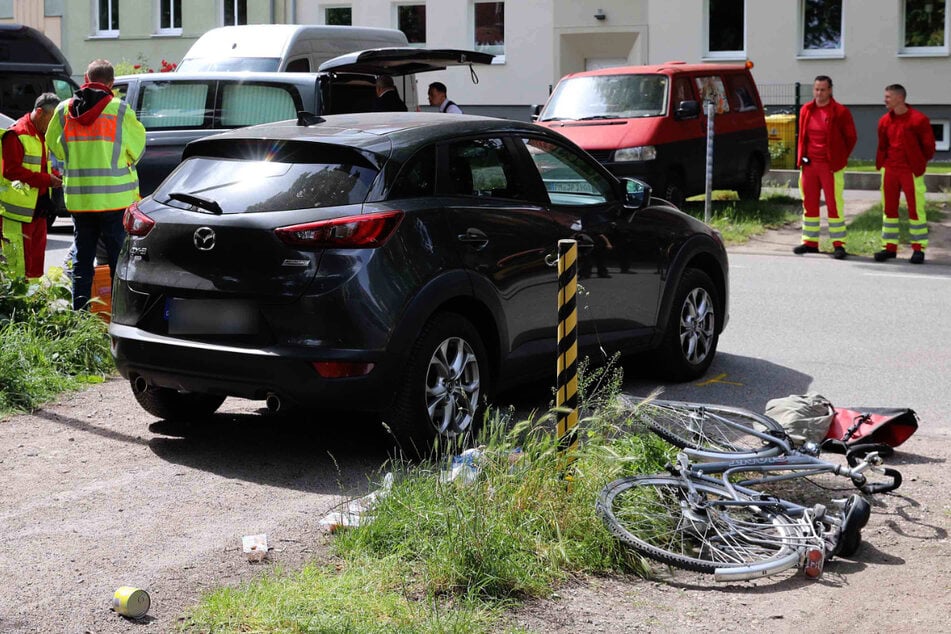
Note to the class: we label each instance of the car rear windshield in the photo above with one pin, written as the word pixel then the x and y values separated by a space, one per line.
pixel 608 97
pixel 248 186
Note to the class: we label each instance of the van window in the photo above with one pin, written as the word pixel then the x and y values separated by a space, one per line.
pixel 345 94
pixel 229 64
pixel 250 104
pixel 174 105
pixel 63 89
pixel 301 65
pixel 741 93
pixel 712 91
pixel 608 97
pixel 682 91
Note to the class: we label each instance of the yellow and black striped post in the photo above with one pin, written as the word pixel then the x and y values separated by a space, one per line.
pixel 567 395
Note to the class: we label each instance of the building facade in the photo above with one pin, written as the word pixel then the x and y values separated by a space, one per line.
pixel 863 45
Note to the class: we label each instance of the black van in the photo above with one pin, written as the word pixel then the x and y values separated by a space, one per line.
pixel 30 64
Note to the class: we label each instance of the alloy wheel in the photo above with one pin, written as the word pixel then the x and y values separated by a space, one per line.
pixel 697 325
pixel 452 387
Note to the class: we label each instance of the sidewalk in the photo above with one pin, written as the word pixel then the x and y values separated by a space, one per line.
pixel 781 241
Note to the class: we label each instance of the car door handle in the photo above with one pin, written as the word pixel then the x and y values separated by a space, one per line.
pixel 475 237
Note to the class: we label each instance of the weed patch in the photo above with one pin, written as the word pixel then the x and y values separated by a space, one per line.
pixel 441 555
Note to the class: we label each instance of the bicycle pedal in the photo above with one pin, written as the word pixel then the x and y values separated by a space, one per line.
pixel 814 560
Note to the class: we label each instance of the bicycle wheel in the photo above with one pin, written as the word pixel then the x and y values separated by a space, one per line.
pixel 708 427
pixel 655 516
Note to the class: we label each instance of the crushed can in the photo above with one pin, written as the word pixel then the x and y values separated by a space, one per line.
pixel 131 602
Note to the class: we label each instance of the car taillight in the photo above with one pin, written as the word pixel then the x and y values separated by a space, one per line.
pixel 353 232
pixel 341 369
pixel 135 222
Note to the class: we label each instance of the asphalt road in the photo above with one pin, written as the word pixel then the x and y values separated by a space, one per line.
pixel 856 332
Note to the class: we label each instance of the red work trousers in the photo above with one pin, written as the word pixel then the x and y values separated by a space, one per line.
pixel 818 179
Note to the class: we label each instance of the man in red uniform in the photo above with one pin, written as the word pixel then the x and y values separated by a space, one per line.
pixel 905 145
pixel 25 188
pixel 826 139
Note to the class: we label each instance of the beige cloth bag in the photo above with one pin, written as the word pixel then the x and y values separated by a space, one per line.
pixel 805 417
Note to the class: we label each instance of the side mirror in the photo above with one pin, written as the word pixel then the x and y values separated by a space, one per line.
pixel 537 110
pixel 636 193
pixel 687 110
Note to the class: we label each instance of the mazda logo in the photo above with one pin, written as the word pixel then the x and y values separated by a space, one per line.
pixel 204 238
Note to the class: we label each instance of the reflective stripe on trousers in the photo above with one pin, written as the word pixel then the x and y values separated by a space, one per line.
pixel 896 181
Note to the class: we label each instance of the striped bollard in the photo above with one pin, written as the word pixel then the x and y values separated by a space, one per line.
pixel 567 386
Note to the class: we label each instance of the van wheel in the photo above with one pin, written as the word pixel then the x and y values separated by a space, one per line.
pixel 673 190
pixel 752 185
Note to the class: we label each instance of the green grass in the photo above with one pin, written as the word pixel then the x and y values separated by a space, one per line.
pixel 861 165
pixel 443 556
pixel 48 347
pixel 865 229
pixel 740 220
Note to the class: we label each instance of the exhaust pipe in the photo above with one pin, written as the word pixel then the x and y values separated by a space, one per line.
pixel 139 385
pixel 273 402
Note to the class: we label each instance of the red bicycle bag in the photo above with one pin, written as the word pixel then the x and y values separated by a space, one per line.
pixel 887 426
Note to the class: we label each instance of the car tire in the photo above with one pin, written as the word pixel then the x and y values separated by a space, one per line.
pixel 673 191
pixel 752 186
pixel 440 402
pixel 690 339
pixel 171 404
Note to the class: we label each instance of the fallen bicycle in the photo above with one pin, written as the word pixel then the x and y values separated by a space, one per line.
pixel 709 514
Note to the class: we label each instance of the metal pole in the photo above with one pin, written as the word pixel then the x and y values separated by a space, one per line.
pixel 708 188
pixel 566 400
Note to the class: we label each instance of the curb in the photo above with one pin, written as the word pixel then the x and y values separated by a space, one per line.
pixel 858 180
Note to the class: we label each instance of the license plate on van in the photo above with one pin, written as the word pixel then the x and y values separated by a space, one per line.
pixel 210 317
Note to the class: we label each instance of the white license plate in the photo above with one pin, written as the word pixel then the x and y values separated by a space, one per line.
pixel 210 317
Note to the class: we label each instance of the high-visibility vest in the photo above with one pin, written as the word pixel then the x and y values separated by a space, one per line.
pixel 18 198
pixel 99 159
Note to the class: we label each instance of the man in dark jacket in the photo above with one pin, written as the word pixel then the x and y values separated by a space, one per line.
pixel 905 145
pixel 826 138
pixel 387 99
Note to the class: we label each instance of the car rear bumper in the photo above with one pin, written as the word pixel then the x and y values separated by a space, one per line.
pixel 251 373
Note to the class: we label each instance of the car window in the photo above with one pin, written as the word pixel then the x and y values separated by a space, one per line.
pixel 712 91
pixel 246 186
pixel 418 176
pixel 482 167
pixel 249 104
pixel 120 90
pixel 167 104
pixel 345 93
pixel 569 178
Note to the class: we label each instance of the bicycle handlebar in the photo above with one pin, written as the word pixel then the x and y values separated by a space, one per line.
pixel 882 487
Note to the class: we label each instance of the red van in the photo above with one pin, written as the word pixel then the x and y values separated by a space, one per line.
pixel 648 122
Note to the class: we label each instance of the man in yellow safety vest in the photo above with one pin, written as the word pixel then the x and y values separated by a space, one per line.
pixel 99 140
pixel 24 189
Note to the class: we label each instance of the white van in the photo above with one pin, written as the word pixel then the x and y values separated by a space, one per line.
pixel 297 48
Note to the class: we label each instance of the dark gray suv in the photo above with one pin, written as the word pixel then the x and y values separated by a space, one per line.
pixel 397 263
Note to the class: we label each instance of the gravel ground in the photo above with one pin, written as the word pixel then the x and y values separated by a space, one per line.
pixel 96 494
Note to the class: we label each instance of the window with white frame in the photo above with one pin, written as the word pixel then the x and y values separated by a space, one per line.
pixel 821 28
pixel 924 27
pixel 234 12
pixel 725 34
pixel 339 16
pixel 411 20
pixel 942 142
pixel 107 18
pixel 170 17
pixel 489 28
